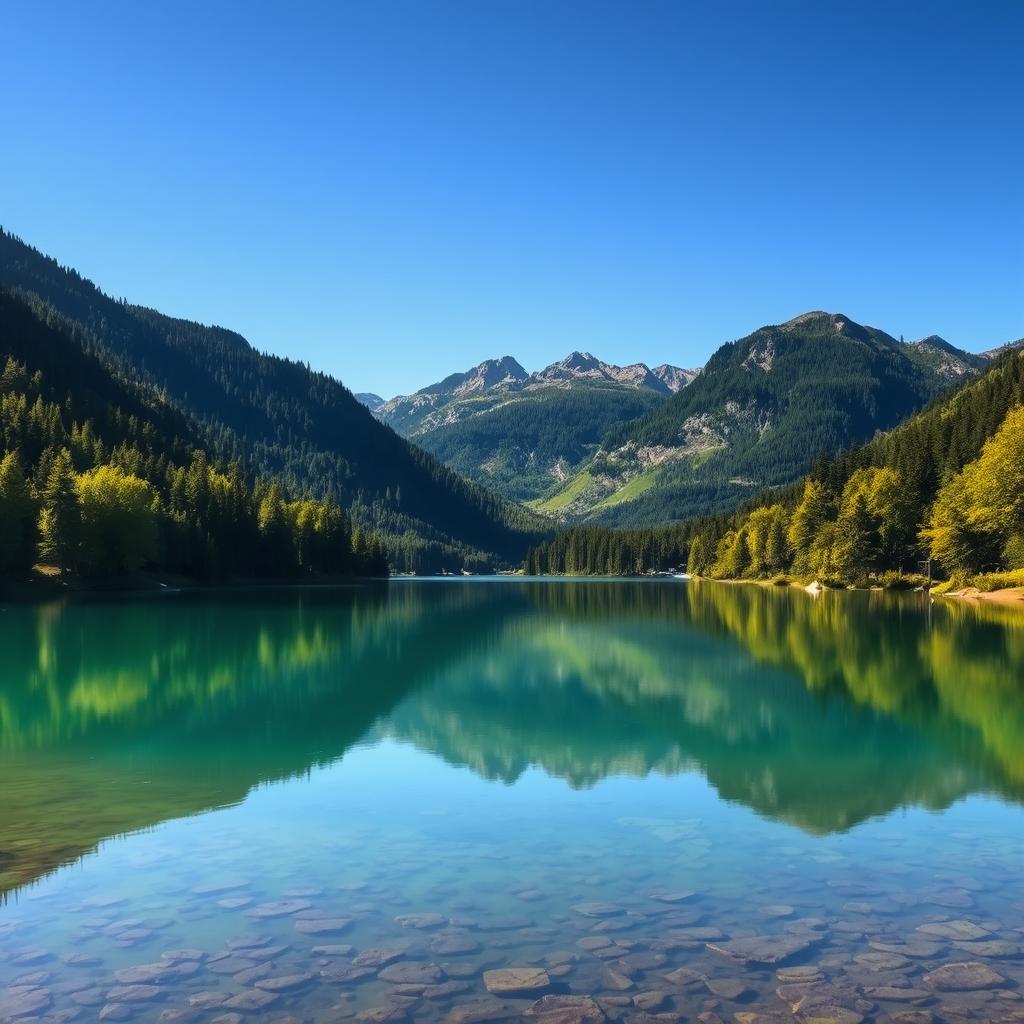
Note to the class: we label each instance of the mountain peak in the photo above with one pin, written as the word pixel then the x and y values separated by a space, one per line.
pixel 818 318
pixel 936 342
pixel 370 400
pixel 503 372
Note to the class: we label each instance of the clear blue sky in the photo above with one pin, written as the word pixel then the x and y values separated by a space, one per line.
pixel 395 190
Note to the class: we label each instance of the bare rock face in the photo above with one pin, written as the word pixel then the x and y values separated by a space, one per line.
pixel 516 981
pixel 963 977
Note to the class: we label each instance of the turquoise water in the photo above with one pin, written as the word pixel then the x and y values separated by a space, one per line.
pixel 661 801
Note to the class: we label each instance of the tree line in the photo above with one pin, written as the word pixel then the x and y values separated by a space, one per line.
pixel 282 420
pixel 98 478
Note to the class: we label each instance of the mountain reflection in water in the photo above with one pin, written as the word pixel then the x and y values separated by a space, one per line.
pixel 820 712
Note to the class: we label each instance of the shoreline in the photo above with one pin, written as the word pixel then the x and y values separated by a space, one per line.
pixel 46 586
pixel 1008 596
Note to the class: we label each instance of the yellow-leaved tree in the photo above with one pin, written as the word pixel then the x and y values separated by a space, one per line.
pixel 978 516
pixel 118 520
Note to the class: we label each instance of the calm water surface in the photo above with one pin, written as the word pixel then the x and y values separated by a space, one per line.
pixel 665 802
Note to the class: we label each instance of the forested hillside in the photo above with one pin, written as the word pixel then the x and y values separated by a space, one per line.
pixel 101 477
pixel 286 421
pixel 946 486
pixel 522 434
pixel 760 413
pixel 522 449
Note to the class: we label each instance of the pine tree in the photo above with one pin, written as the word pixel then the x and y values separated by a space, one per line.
pixel 17 515
pixel 59 516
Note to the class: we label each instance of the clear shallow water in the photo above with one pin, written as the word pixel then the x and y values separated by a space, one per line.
pixel 596 779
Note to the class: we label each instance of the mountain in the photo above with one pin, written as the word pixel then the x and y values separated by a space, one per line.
pixel 285 420
pixel 995 353
pixel 521 433
pixel 370 400
pixel 946 361
pixel 102 477
pixel 763 409
pixel 941 494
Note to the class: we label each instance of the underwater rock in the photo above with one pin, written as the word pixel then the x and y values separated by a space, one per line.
pixel 516 980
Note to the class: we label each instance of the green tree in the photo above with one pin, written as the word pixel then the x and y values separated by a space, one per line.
pixel 17 517
pixel 59 516
pixel 857 545
pixel 809 517
pixel 699 560
pixel 979 512
pixel 766 540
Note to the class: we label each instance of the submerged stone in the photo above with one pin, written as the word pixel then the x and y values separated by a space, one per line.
pixel 346 974
pixel 672 895
pixel 254 974
pixel 377 957
pixel 454 944
pixel 565 1009
pixel 997 949
pixel 895 994
pixel 616 980
pixel 652 999
pixel 116 1012
pixel 285 982
pixel 881 961
pixel 763 949
pixel 516 980
pixel 252 1001
pixel 412 972
pixel 728 988
pixel 964 931
pixel 135 994
pixel 210 1000
pixel 483 1011
pixel 963 977
pixel 25 1003
pixel 389 1014
pixel 918 949
pixel 323 925
pixel 421 921
pixel 278 908
pixel 598 909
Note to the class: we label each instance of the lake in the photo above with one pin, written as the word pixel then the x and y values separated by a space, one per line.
pixel 480 800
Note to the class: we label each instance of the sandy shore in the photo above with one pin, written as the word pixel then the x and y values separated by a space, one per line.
pixel 1011 595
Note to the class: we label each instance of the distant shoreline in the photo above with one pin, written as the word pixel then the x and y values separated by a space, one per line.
pixel 45 586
